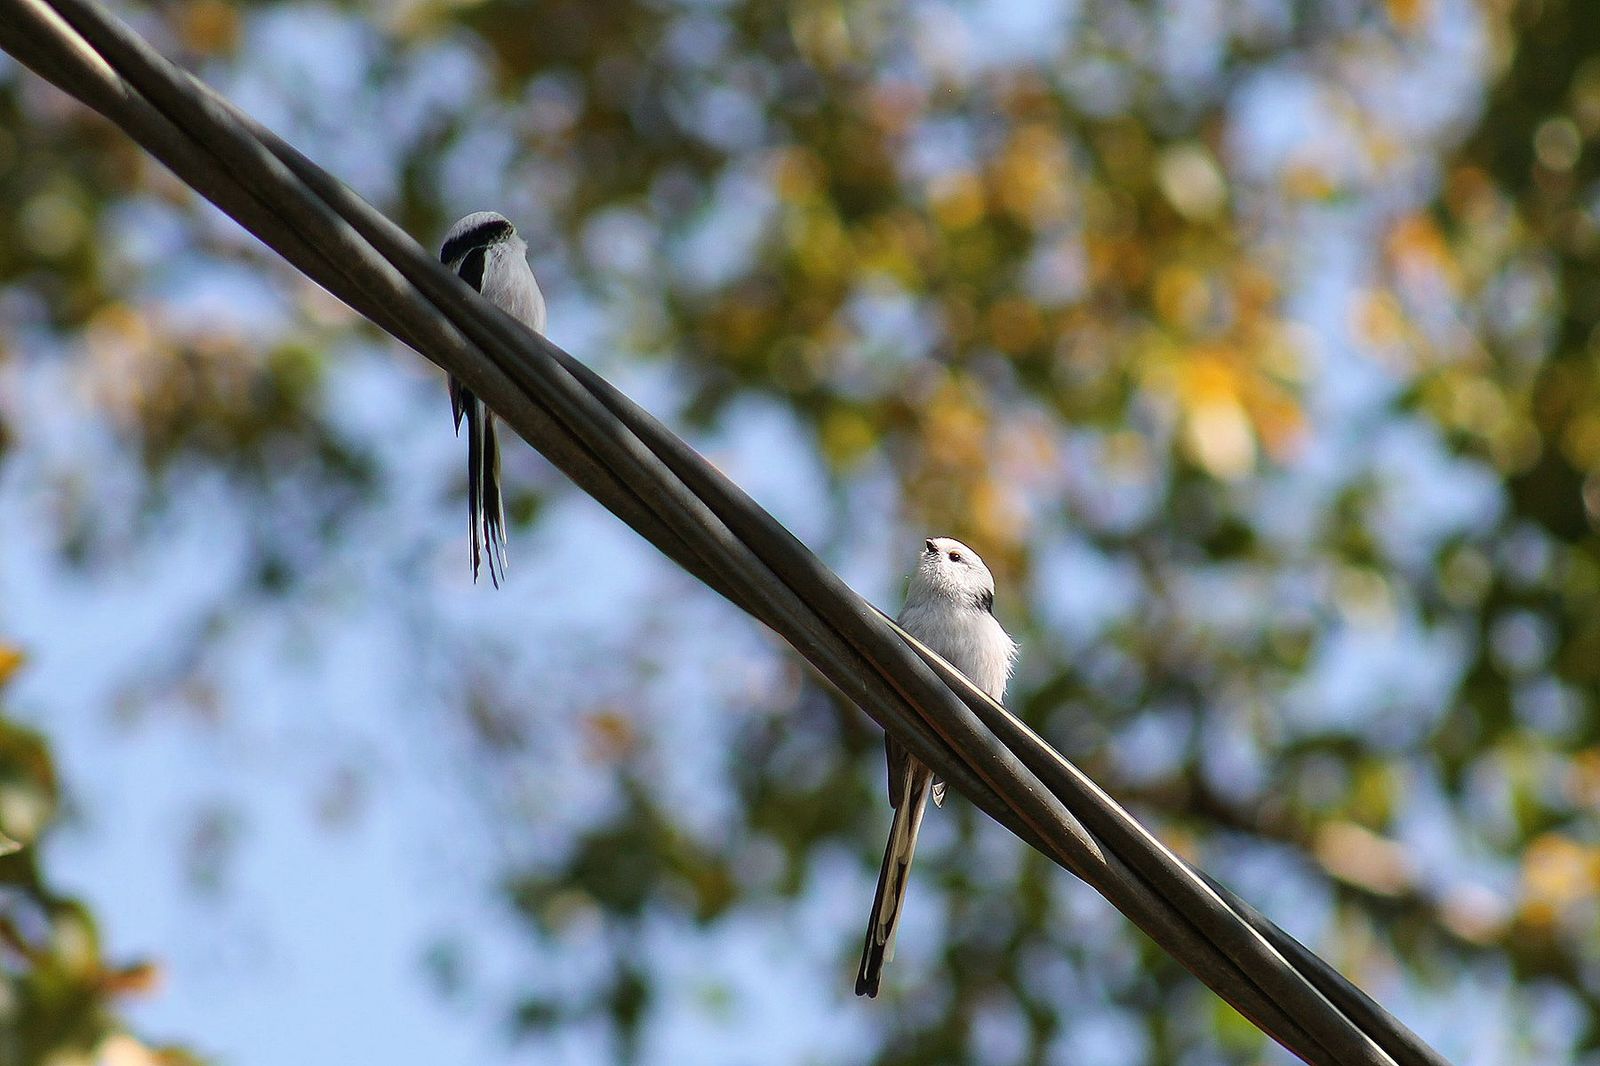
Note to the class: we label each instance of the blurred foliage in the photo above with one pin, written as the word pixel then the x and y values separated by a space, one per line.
pixel 59 996
pixel 1313 418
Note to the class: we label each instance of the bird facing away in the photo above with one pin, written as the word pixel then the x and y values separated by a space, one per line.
pixel 485 252
pixel 948 607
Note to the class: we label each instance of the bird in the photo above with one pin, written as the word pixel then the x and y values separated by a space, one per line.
pixel 484 251
pixel 950 608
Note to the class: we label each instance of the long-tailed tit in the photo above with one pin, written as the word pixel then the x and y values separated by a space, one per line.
pixel 948 607
pixel 485 252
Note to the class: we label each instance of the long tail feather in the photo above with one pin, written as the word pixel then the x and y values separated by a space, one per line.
pixel 485 504
pixel 894 877
pixel 494 507
pixel 473 409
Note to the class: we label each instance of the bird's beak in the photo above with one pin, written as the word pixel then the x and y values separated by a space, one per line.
pixel 929 543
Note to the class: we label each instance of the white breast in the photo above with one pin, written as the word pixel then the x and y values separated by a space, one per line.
pixel 971 640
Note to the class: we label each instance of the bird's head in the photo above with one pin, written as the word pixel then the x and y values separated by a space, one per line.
pixel 948 569
pixel 481 229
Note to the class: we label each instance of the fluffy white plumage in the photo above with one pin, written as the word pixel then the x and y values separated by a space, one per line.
pixel 948 608
pixel 506 279
pixel 484 250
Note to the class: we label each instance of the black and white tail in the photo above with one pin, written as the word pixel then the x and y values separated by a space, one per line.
pixel 484 501
pixel 912 803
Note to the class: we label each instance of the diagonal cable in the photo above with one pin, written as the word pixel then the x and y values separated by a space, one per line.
pixel 662 488
pixel 431 264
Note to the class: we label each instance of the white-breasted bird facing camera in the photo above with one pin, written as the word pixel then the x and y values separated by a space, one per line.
pixel 484 251
pixel 949 607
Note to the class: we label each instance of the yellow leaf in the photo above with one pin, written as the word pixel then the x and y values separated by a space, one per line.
pixel 610 734
pixel 1407 14
pixel 11 660
pixel 1361 857
pixel 1014 323
pixel 1557 872
pixel 957 200
pixel 210 27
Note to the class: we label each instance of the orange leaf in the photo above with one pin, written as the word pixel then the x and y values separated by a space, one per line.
pixel 11 660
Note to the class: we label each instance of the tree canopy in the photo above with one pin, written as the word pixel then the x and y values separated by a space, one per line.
pixel 1252 345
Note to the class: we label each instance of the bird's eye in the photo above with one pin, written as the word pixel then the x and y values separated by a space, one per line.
pixel 955 557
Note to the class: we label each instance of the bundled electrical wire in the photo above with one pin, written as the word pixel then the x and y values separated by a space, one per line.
pixel 661 487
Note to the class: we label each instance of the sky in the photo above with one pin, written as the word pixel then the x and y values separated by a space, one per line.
pixel 274 794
